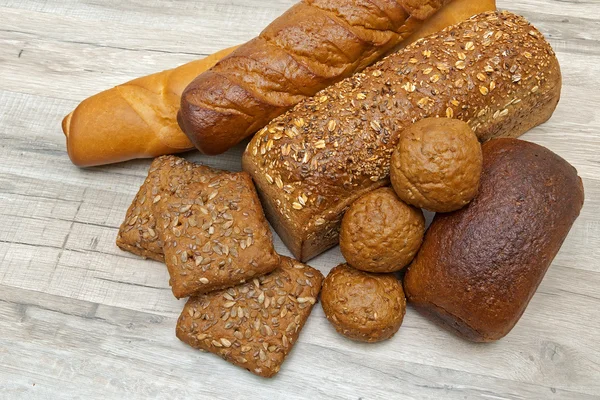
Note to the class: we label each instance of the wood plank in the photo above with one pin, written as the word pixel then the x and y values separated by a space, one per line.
pixel 96 350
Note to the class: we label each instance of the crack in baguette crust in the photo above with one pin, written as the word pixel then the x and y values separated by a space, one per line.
pixel 495 71
pixel 313 45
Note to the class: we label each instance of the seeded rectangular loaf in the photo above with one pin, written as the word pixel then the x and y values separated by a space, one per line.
pixel 206 225
pixel 494 71
pixel 253 325
pixel 479 266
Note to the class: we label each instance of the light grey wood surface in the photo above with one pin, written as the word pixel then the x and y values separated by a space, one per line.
pixel 81 319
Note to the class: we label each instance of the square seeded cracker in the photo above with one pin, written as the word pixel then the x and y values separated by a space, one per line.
pixel 209 223
pixel 212 227
pixel 138 233
pixel 253 325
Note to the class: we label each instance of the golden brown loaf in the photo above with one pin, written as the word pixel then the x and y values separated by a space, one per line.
pixel 450 14
pixel 479 266
pixel 134 120
pixel 381 233
pixel 363 306
pixel 313 45
pixel 495 71
pixel 437 164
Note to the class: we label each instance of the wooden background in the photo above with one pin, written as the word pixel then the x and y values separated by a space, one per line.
pixel 81 319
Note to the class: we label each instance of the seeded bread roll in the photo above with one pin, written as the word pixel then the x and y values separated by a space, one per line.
pixel 437 164
pixel 214 231
pixel 363 306
pixel 381 233
pixel 479 266
pixel 495 71
pixel 313 45
pixel 254 325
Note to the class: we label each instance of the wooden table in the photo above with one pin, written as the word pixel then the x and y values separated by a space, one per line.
pixel 81 319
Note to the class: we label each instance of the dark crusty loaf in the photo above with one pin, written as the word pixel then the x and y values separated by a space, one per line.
pixel 479 266
pixel 313 45
pixel 494 71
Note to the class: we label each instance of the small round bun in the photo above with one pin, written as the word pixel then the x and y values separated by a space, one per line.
pixel 437 165
pixel 363 306
pixel 381 233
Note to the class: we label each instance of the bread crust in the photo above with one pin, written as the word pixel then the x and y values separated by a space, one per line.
pixel 437 164
pixel 495 71
pixel 138 119
pixel 206 225
pixel 138 234
pixel 479 266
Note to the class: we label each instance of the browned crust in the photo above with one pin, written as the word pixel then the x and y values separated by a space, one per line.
pixel 508 82
pixel 381 233
pixel 138 233
pixel 437 164
pixel 479 266
pixel 254 325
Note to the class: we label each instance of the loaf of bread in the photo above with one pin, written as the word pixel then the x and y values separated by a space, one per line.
pixel 134 120
pixel 313 45
pixel 479 266
pixel 495 71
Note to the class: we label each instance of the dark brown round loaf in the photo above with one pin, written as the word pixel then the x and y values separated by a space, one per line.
pixel 479 266
pixel 363 306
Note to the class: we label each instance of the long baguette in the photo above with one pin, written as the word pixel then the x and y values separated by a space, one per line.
pixel 134 120
pixel 313 45
pixel 494 71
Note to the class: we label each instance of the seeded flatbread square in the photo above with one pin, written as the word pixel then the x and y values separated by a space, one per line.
pixel 138 233
pixel 253 325
pixel 213 229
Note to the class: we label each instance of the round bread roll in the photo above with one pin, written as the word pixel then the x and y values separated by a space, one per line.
pixel 380 233
pixel 363 306
pixel 437 165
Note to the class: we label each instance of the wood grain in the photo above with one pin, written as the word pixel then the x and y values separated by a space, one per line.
pixel 82 319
